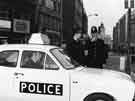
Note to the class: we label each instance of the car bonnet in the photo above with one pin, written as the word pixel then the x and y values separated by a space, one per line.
pixel 105 73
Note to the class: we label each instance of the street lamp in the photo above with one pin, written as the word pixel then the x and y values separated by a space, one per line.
pixel 95 14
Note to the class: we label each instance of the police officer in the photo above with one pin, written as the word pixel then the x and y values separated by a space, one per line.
pixel 96 50
pixel 85 41
pixel 74 48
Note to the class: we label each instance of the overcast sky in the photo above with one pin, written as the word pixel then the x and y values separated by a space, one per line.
pixel 109 11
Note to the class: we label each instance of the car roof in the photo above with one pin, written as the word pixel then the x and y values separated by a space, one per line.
pixel 27 46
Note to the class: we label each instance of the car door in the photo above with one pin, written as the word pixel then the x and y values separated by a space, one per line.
pixel 8 63
pixel 43 81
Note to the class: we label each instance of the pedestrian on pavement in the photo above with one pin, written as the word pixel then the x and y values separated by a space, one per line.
pixel 106 47
pixel 74 48
pixel 63 45
pixel 106 51
pixel 96 50
pixel 84 49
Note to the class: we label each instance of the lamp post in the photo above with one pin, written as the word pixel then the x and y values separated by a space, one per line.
pixel 95 14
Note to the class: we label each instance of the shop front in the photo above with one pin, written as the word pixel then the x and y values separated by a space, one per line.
pixel 5 29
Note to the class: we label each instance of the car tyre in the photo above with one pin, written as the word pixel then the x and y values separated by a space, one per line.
pixel 98 97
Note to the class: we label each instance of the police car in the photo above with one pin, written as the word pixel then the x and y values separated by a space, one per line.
pixel 30 72
pixel 35 72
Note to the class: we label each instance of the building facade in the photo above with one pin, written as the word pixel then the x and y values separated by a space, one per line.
pixel 59 19
pixel 121 35
pixel 49 17
pixel 16 20
pixel 74 18
pixel 115 38
pixel 19 19
pixel 84 22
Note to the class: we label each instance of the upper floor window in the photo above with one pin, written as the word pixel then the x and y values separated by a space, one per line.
pixel 9 58
pixel 54 5
pixel 5 13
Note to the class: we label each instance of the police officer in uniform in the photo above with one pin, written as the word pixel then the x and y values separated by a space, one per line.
pixel 74 48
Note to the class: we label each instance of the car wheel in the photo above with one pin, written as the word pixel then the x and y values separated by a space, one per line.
pixel 99 97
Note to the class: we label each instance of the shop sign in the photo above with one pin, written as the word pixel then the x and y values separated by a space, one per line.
pixel 5 25
pixel 21 26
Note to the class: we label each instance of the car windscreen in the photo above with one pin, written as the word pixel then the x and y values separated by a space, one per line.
pixel 66 61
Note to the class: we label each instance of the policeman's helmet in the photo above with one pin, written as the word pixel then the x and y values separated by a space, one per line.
pixel 94 29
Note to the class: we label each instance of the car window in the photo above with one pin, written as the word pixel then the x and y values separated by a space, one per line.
pixel 9 58
pixel 32 59
pixel 64 59
pixel 50 64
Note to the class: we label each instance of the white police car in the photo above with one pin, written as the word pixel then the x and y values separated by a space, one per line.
pixel 45 73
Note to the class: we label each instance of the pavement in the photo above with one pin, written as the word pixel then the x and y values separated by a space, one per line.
pixel 117 62
pixel 113 63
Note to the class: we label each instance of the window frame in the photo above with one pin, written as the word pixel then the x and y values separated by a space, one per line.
pixel 16 59
pixel 33 51
pixel 74 65
pixel 52 60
